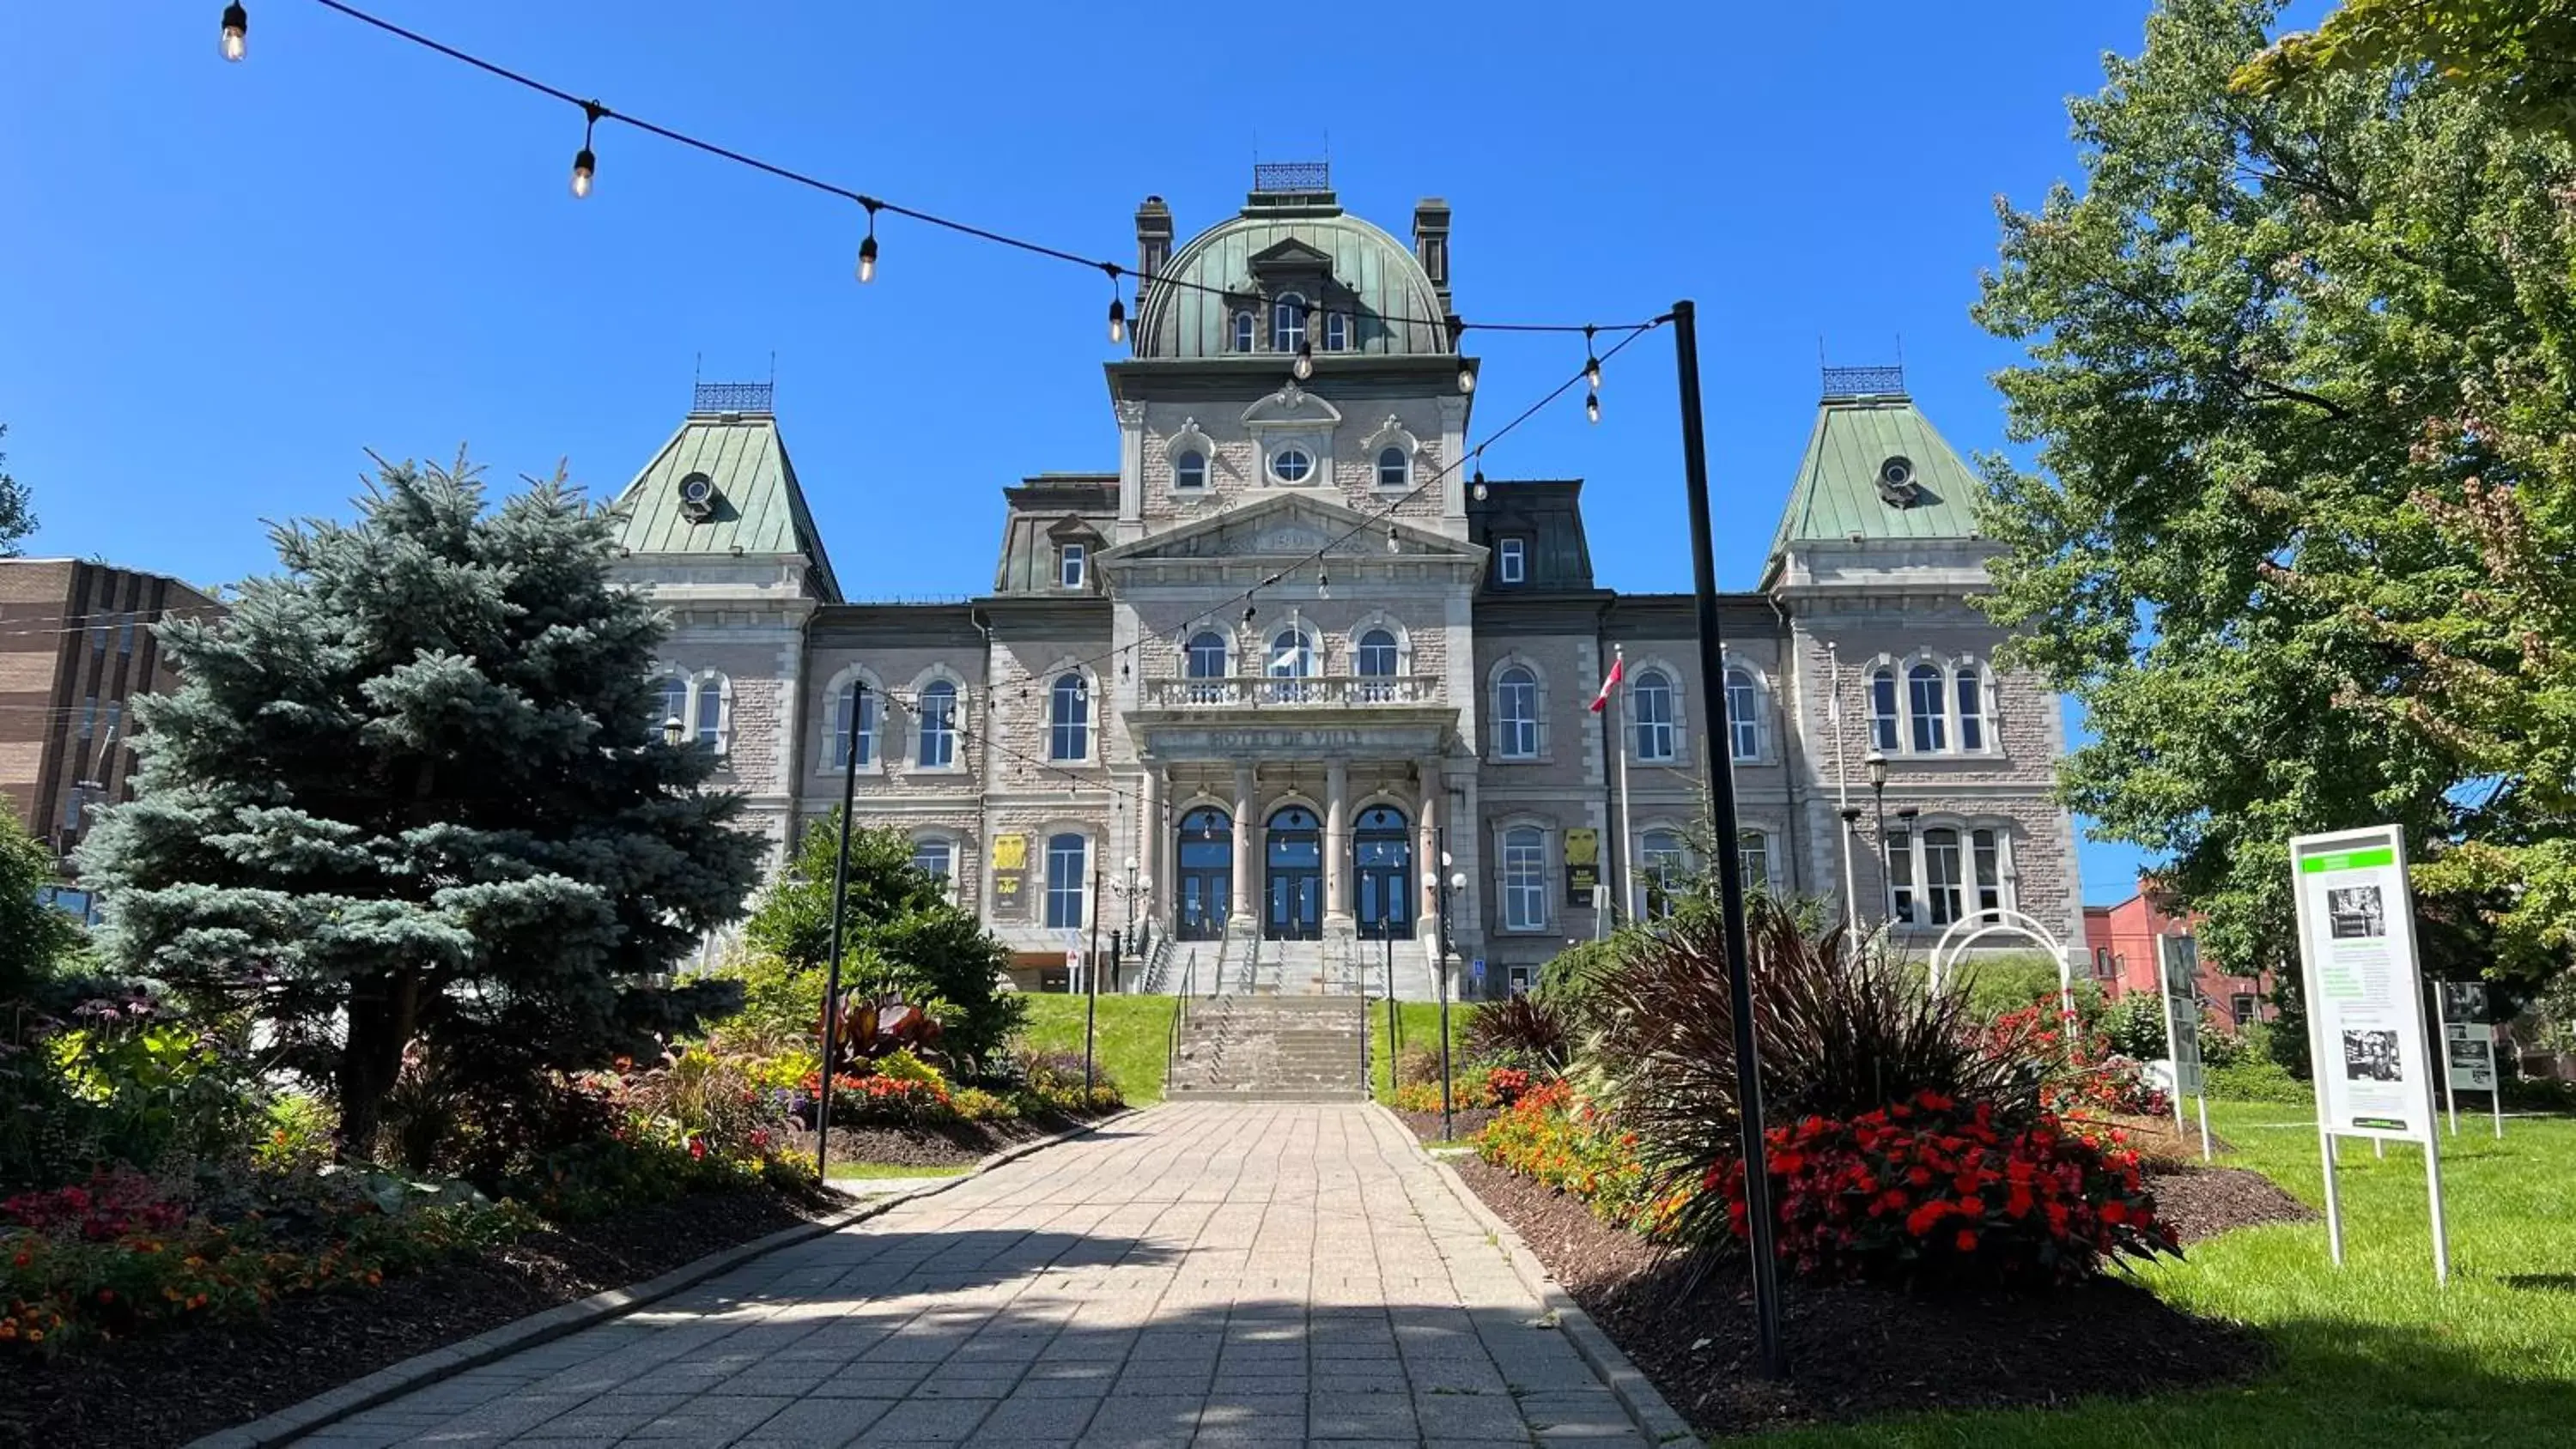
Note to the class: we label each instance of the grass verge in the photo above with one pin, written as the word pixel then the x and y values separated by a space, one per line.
pixel 872 1171
pixel 1134 1037
pixel 2372 1356
pixel 1417 1024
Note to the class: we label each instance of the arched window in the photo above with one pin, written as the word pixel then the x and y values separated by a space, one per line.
pixel 1288 322
pixel 1189 470
pixel 1663 866
pixel 1972 708
pixel 1376 664
pixel 1393 469
pixel 1068 856
pixel 1516 714
pixel 1524 878
pixel 675 704
pixel 1941 876
pixel 854 726
pixel 936 858
pixel 1753 854
pixel 1069 719
pixel 1923 697
pixel 1743 715
pixel 1882 710
pixel 711 719
pixel 1243 330
pixel 1204 659
pixel 1292 657
pixel 1651 697
pixel 1337 332
pixel 937 748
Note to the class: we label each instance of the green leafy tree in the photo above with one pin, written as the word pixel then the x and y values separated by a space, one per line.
pixel 902 939
pixel 34 938
pixel 2294 358
pixel 412 795
pixel 17 514
pixel 2520 54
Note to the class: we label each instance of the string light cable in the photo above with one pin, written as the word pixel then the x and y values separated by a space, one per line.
pixel 236 24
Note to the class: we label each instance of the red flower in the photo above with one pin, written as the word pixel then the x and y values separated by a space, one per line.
pixel 2115 1211
pixel 1967 1241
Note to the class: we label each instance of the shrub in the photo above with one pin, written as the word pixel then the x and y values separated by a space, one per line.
pixel 2135 1025
pixel 299 1134
pixel 1935 1189
pixel 1415 1065
pixel 1520 1031
pixel 1052 1082
pixel 2256 1078
pixel 903 1066
pixel 2005 981
pixel 974 1104
pixel 1839 1035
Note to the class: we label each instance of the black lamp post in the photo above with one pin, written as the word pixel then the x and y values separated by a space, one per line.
pixel 1449 881
pixel 849 745
pixel 1118 958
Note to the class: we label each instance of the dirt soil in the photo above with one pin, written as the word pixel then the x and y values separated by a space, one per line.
pixel 1860 1351
pixel 170 1388
pixel 2203 1202
pixel 1467 1122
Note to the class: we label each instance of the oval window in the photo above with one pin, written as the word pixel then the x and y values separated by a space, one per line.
pixel 1292 465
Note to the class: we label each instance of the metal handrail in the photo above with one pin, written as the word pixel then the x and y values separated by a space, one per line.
pixel 1180 1019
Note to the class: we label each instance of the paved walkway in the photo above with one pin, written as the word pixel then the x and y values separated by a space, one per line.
pixel 1209 1275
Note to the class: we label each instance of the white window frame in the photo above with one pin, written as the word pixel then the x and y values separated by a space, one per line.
pixel 921 732
pixel 1072 565
pixel 1288 322
pixel 1246 331
pixel 1055 727
pixel 1668 730
pixel 1506 736
pixel 1511 560
pixel 944 842
pixel 1080 891
pixel 1337 331
pixel 1756 846
pixel 1314 465
pixel 1304 660
pixel 1912 874
pixel 1918 724
pixel 1748 718
pixel 719 739
pixel 1397 478
pixel 1181 471
pixel 1515 893
pixel 1655 869
pixel 1886 722
pixel 866 735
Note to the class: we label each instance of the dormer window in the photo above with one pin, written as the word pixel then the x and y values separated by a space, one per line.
pixel 1070 562
pixel 1511 560
pixel 1288 322
pixel 1337 332
pixel 1243 330
pixel 1394 470
pixel 1189 470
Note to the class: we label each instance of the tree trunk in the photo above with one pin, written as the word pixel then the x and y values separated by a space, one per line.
pixel 381 1018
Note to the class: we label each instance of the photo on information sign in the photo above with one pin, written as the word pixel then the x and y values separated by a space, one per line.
pixel 2356 911
pixel 2371 1056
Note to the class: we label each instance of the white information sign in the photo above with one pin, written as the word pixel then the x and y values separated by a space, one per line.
pixel 2364 991
pixel 2472 1054
pixel 2178 967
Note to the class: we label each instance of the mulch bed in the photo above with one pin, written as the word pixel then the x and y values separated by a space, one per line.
pixel 1467 1122
pixel 1860 1351
pixel 170 1388
pixel 959 1144
pixel 2202 1202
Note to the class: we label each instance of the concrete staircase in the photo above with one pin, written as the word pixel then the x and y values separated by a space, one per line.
pixel 1270 1049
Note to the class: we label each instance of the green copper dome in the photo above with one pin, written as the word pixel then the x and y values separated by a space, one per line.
pixel 1292 243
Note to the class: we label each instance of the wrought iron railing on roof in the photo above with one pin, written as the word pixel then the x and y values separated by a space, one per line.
pixel 732 397
pixel 1865 381
pixel 1292 176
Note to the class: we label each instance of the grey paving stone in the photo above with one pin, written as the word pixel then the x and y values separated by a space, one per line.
pixel 927 1421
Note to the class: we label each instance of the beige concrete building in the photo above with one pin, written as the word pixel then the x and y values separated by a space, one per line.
pixel 1295 647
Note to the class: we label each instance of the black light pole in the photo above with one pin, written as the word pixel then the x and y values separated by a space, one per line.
pixel 1877 765
pixel 1091 988
pixel 1448 882
pixel 840 896
pixel 1394 1043
pixel 1730 864
pixel 1118 958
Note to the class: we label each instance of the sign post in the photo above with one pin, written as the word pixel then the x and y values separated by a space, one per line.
pixel 2178 969
pixel 2365 993
pixel 2469 1047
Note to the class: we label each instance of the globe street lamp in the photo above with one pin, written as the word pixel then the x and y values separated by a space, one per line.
pixel 671 728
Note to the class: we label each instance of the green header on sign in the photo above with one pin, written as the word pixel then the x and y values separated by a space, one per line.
pixel 2348 860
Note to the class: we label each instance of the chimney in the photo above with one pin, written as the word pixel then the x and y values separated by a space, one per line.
pixel 1431 243
pixel 1153 245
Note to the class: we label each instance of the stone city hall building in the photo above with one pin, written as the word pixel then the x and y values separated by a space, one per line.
pixel 1284 773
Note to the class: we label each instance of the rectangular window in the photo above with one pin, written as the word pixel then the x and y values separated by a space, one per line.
pixel 1972 710
pixel 2241 1007
pixel 1753 850
pixel 125 634
pixel 89 717
pixel 1985 855
pixel 1524 880
pixel 1900 876
pixel 2102 961
pixel 115 718
pixel 1941 875
pixel 934 858
pixel 1931 719
pixel 1511 560
pixel 1069 566
pixel 1067 856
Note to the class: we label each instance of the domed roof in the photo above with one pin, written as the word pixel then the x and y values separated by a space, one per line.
pixel 1187 312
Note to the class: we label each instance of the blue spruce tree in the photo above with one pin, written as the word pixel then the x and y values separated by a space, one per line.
pixel 411 802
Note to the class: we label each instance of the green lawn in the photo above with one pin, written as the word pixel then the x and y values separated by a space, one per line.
pixel 2374 1354
pixel 871 1171
pixel 1134 1037
pixel 1417 1025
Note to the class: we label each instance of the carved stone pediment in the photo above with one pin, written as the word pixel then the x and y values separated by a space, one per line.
pixel 1289 526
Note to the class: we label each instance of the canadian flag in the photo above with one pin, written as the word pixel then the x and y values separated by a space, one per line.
pixel 1618 671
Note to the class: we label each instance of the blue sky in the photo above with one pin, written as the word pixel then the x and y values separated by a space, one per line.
pixel 223 283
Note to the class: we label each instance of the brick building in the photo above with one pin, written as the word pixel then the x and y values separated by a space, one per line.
pixel 2121 943
pixel 76 647
pixel 1409 675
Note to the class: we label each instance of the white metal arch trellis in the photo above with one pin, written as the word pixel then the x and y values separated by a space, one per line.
pixel 1946 951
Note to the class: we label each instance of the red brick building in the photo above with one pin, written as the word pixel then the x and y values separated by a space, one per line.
pixel 2121 944
pixel 76 647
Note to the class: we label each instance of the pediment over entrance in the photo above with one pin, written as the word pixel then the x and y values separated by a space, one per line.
pixel 1294 525
pixel 1291 406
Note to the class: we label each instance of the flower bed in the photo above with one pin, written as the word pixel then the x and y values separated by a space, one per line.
pixel 1550 1136
pixel 1934 1188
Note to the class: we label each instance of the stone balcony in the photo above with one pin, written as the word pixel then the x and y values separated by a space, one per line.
pixel 1235 692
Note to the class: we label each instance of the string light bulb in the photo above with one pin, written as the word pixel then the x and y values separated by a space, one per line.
pixel 1304 366
pixel 1323 584
pixel 584 164
pixel 1393 543
pixel 1477 485
pixel 868 247
pixel 1117 320
pixel 1466 377
pixel 236 31
pixel 1592 406
pixel 1591 363
pixel 1247 615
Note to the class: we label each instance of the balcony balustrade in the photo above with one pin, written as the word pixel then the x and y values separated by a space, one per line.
pixel 1271 691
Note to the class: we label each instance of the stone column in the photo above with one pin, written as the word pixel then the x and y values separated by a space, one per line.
pixel 1153 836
pixel 1427 872
pixel 1337 840
pixel 1244 880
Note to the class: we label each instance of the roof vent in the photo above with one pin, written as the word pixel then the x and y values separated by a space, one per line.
pixel 1896 482
pixel 698 497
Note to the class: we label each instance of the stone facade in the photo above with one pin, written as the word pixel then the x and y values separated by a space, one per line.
pixel 1291 651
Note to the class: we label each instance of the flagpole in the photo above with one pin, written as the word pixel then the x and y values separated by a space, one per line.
pixel 1627 838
